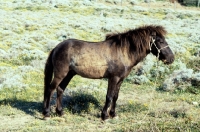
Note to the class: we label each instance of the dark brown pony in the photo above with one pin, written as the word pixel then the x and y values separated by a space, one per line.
pixel 113 59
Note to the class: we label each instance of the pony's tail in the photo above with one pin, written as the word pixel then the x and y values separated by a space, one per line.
pixel 48 73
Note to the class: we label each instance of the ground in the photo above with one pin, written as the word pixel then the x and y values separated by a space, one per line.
pixel 31 29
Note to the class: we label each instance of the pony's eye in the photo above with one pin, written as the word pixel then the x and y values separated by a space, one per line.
pixel 161 41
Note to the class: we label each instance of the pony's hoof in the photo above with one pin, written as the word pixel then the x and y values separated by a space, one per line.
pixel 116 117
pixel 46 118
pixel 104 117
pixel 46 114
pixel 113 114
pixel 105 121
pixel 59 112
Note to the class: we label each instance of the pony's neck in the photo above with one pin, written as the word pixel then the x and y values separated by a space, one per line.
pixel 138 59
pixel 135 48
pixel 140 49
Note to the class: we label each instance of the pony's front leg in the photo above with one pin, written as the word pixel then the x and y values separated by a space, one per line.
pixel 112 85
pixel 105 111
pixel 112 112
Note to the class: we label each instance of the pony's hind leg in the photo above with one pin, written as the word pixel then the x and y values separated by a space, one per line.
pixel 60 90
pixel 47 95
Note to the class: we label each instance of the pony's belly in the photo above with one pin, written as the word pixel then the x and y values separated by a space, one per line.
pixel 94 72
pixel 89 64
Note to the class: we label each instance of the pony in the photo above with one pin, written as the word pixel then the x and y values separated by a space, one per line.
pixel 112 58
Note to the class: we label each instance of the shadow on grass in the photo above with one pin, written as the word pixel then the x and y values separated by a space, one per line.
pixel 132 107
pixel 28 107
pixel 76 103
pixel 80 102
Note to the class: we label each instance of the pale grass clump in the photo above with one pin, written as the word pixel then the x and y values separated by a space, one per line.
pixel 178 79
pixel 134 2
pixel 38 64
pixel 3 53
pixel 11 79
pixel 170 16
pixel 176 46
pixel 171 109
pixel 139 79
pixel 195 37
pixel 196 80
pixel 31 28
pixel 17 78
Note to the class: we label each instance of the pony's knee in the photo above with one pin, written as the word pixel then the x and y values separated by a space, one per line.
pixel 109 99
pixel 59 90
pixel 55 83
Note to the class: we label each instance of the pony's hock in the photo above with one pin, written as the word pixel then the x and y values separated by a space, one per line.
pixel 112 58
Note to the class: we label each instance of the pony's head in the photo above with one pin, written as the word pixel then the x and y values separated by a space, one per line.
pixel 160 48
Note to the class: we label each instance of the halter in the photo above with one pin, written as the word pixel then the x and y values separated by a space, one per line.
pixel 152 42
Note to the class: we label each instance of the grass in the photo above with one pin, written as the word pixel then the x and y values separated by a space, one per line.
pixel 139 107
pixel 31 8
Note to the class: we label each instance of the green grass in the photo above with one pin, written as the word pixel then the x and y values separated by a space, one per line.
pixel 139 107
pixel 31 8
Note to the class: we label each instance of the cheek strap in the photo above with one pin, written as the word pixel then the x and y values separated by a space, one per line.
pixel 152 42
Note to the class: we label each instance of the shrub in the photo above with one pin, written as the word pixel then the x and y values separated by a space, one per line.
pixel 109 1
pixel 11 79
pixel 87 3
pixel 38 64
pixel 195 37
pixel 134 2
pixel 3 54
pixel 27 56
pixel 170 16
pixel 196 80
pixel 183 80
pixel 178 79
pixel 194 63
pixel 51 44
pixel 139 79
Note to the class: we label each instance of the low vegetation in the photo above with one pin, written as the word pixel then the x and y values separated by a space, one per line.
pixel 154 97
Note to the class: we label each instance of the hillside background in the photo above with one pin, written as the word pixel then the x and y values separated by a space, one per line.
pixel 154 97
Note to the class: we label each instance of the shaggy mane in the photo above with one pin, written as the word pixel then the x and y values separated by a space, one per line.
pixel 141 30
pixel 137 39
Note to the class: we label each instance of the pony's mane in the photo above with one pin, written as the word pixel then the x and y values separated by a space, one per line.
pixel 144 29
pixel 136 39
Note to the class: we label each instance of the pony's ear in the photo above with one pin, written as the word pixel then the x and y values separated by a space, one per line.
pixel 153 34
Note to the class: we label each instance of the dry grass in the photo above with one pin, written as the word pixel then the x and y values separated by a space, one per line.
pixel 139 107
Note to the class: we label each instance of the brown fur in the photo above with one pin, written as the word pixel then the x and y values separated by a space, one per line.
pixel 113 59
pixel 137 39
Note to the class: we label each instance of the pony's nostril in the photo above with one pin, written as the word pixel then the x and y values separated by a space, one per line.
pixel 172 60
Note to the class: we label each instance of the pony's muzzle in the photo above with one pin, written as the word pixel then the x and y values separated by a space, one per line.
pixel 169 59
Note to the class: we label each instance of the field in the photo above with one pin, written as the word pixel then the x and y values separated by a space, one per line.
pixel 154 97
